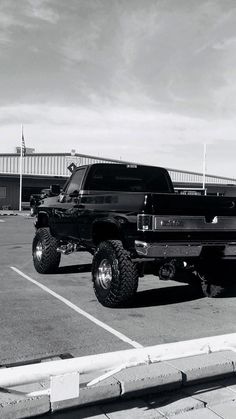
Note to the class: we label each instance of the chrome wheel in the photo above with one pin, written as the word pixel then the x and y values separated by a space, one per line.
pixel 104 274
pixel 39 251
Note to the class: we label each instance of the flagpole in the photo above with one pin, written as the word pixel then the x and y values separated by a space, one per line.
pixel 204 169
pixel 21 165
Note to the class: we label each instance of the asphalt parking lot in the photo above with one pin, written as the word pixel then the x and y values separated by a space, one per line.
pixel 50 316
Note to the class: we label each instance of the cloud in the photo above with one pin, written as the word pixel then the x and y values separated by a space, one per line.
pixel 144 79
pixel 119 52
pixel 169 140
pixel 40 9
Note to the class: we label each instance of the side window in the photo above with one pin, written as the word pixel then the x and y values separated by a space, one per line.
pixel 75 182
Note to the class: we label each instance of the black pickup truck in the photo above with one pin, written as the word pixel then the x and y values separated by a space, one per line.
pixel 129 218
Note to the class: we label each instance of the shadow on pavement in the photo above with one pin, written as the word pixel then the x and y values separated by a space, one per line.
pixel 229 292
pixel 70 269
pixel 172 295
pixel 164 296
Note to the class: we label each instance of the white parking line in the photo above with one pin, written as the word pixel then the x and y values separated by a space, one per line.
pixel 80 311
pixel 2 221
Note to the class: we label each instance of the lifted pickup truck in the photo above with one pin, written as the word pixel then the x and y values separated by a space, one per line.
pixel 129 218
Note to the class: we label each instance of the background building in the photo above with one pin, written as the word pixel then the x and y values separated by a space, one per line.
pixel 40 170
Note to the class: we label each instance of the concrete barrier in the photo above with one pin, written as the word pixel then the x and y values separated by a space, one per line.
pixel 108 364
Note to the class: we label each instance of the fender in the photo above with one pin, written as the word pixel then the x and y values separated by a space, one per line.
pixel 42 219
pixel 108 229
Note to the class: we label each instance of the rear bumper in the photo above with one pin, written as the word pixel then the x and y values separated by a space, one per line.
pixel 183 250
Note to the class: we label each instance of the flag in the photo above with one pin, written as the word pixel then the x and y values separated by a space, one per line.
pixel 23 148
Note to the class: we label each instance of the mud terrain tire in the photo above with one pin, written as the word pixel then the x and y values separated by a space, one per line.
pixel 46 259
pixel 115 276
pixel 213 280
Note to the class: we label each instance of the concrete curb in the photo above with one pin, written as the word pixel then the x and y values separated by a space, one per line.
pixel 14 213
pixel 157 378
pixel 14 404
pixel 4 214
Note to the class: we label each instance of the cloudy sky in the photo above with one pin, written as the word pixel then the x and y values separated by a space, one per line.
pixel 149 81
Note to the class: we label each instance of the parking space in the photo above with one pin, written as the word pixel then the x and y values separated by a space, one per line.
pixel 48 315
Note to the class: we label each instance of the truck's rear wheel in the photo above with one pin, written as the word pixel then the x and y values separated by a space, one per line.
pixel 210 288
pixel 44 249
pixel 115 276
pixel 213 280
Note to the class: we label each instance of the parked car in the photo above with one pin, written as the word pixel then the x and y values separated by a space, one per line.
pixel 36 199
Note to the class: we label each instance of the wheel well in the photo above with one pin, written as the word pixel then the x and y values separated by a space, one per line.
pixel 42 220
pixel 105 231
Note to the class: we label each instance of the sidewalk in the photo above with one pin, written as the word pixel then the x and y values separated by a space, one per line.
pixel 197 387
pixel 14 212
pixel 204 401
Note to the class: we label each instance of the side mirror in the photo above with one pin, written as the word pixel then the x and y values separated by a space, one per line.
pixel 74 194
pixel 55 189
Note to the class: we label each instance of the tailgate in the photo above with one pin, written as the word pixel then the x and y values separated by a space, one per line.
pixel 173 204
pixel 189 218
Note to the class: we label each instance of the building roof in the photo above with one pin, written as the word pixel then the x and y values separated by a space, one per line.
pixel 56 164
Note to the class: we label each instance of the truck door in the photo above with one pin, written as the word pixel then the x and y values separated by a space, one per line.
pixel 66 211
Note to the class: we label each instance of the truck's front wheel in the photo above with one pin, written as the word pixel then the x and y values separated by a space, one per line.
pixel 45 256
pixel 115 276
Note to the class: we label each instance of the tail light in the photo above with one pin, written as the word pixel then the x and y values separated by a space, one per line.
pixel 145 222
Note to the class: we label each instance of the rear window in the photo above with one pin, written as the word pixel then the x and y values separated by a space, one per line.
pixel 128 179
